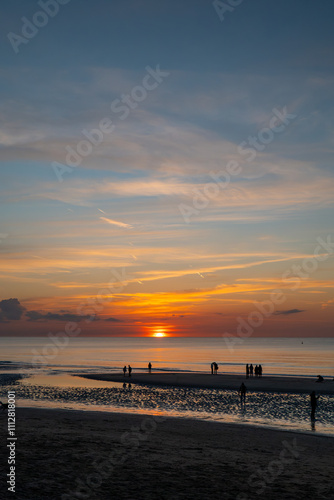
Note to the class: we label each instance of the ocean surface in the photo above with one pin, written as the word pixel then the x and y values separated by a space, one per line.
pixel 280 356
pixel 50 377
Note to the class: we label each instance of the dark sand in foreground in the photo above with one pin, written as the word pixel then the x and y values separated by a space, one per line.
pixel 222 381
pixel 64 454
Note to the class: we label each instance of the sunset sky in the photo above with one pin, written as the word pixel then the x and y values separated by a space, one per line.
pixel 204 182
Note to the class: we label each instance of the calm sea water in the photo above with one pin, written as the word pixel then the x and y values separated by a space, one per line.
pixel 281 356
pixel 55 385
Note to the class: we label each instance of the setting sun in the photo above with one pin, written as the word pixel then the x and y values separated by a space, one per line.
pixel 159 333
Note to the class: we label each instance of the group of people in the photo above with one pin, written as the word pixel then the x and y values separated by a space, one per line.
pixel 214 368
pixel 127 369
pixel 250 370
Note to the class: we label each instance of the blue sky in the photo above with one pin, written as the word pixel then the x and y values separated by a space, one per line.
pixel 121 208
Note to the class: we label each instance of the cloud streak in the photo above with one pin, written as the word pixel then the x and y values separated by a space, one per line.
pixel 116 223
pixel 288 312
pixel 37 316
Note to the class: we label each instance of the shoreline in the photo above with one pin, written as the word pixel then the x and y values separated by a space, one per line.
pixel 142 457
pixel 268 383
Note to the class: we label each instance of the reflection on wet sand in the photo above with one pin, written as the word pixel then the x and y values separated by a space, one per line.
pixel 288 411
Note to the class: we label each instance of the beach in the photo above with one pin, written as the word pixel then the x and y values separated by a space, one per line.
pixel 224 381
pixel 134 448
pixel 74 454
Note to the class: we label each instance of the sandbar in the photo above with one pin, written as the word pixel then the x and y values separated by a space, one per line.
pixel 221 381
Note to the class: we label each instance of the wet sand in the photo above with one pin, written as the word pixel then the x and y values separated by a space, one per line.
pixel 222 381
pixel 72 454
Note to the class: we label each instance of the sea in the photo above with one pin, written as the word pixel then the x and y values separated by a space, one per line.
pixel 47 375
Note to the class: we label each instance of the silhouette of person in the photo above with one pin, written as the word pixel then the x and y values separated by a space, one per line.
pixel 149 367
pixel 247 371
pixel 212 367
pixel 242 393
pixel 251 370
pixel 320 378
pixel 216 368
pixel 259 370
pixel 256 371
pixel 314 399
pixel 129 370
pixel 124 370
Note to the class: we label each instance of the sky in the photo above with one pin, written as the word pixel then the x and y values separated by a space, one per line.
pixel 166 168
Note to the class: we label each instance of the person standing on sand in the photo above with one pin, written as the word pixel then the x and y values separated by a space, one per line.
pixel 216 368
pixel 124 370
pixel 130 370
pixel 242 393
pixel 247 371
pixel 260 370
pixel 149 367
pixel 251 370
pixel 314 399
pixel 212 366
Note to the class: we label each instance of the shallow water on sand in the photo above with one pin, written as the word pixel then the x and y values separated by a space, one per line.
pixel 284 411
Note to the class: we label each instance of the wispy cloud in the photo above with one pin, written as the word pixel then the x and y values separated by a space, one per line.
pixel 116 223
pixel 38 316
pixel 288 312
pixel 327 304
